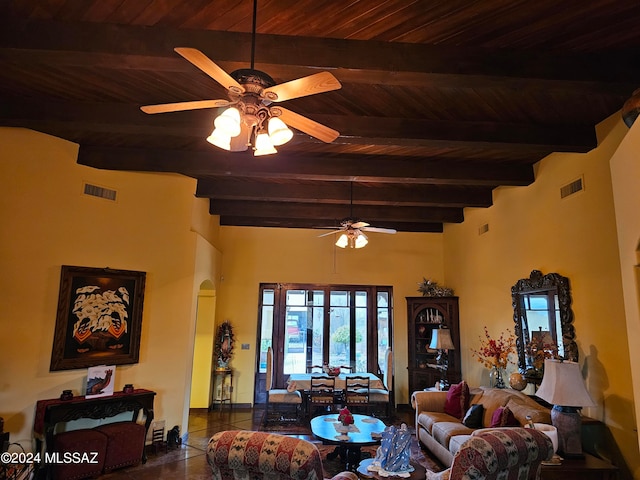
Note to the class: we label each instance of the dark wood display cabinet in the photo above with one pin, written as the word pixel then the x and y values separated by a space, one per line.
pixel 424 315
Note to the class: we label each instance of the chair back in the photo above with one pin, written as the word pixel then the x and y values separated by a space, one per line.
pixel 248 455
pixel 314 368
pixel 505 453
pixel 356 390
pixel 322 389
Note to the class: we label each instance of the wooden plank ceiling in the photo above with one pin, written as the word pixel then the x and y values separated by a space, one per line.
pixel 441 101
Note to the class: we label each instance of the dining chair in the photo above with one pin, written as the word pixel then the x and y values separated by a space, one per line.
pixel 314 368
pixel 321 393
pixel 382 396
pixel 277 397
pixel 356 392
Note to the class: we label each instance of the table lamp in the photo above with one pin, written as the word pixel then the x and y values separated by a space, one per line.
pixel 441 341
pixel 563 387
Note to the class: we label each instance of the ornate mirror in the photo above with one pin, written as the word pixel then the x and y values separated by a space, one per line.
pixel 224 345
pixel 543 322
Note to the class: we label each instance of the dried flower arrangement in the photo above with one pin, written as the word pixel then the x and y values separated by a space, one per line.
pixel 495 352
pixel 429 288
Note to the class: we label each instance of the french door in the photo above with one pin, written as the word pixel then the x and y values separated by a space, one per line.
pixel 315 324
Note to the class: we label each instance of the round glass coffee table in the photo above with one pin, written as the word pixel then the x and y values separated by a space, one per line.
pixel 348 444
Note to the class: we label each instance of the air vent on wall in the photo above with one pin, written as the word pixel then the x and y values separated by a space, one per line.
pixel 483 229
pixel 100 192
pixel 571 188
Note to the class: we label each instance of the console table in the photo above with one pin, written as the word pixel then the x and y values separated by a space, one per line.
pixel 220 390
pixel 587 468
pixel 52 411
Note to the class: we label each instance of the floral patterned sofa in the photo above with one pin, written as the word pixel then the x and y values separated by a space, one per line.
pixel 249 455
pixel 445 420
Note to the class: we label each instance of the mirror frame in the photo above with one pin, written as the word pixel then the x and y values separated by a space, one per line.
pixel 538 282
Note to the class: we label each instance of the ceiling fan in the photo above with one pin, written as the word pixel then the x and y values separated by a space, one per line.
pixel 251 118
pixel 352 230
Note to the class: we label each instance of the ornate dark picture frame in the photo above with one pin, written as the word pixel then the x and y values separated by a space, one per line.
pixel 99 318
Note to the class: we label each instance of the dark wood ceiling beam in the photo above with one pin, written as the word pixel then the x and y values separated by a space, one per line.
pixel 339 193
pixel 383 169
pixel 121 46
pixel 126 119
pixel 328 211
pixel 279 222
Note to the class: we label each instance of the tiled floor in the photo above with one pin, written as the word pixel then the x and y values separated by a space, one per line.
pixel 188 461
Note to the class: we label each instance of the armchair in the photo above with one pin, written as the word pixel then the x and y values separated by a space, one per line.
pixel 503 453
pixel 247 455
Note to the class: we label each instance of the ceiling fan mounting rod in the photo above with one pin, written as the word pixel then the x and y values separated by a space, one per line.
pixel 253 32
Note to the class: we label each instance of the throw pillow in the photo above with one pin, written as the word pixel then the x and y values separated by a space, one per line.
pixel 473 417
pixel 503 417
pixel 457 402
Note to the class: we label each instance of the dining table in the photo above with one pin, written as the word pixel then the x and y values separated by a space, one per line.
pixel 302 381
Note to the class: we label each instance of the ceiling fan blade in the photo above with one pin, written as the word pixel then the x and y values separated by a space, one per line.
pixel 204 63
pixel 378 230
pixel 359 224
pixel 302 87
pixel 181 106
pixel 308 126
pixel 330 233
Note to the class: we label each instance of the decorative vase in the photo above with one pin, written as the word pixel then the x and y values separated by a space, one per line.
pixel 495 378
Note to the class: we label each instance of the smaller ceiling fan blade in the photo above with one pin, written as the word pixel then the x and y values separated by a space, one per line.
pixel 330 233
pixel 378 230
pixel 359 224
pixel 308 126
pixel 204 63
pixel 182 106
pixel 302 87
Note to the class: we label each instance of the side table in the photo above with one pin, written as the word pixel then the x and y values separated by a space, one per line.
pixel 587 468
pixel 221 387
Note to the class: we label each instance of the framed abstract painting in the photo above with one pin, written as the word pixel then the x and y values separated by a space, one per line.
pixel 99 317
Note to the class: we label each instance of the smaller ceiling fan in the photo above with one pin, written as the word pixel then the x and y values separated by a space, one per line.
pixel 353 233
pixel 353 230
pixel 250 118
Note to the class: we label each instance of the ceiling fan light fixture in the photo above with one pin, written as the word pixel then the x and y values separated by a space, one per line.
pixel 343 241
pixel 220 139
pixel 263 145
pixel 279 133
pixel 361 240
pixel 229 122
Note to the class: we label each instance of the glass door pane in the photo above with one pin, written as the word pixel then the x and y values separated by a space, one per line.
pixel 339 328
pixel 361 315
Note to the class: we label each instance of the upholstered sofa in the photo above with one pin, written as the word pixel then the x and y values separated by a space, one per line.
pixel 249 455
pixel 445 420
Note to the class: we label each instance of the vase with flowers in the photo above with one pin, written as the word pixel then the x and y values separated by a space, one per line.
pixel 345 417
pixel 494 354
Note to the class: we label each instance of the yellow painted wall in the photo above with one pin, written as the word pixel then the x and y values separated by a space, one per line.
pixel 533 228
pixel 256 255
pixel 46 223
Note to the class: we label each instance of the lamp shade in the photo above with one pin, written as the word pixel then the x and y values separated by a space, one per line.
pixel 219 139
pixel 441 339
pixel 361 240
pixel 229 122
pixel 342 241
pixel 279 133
pixel 562 385
pixel 263 145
